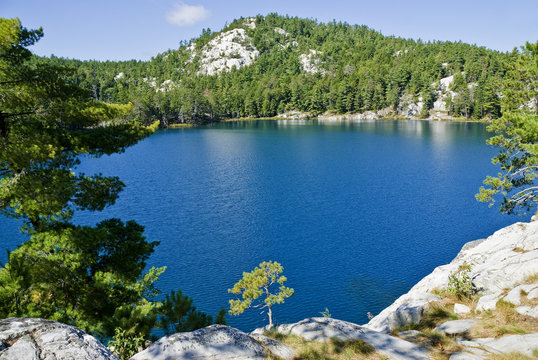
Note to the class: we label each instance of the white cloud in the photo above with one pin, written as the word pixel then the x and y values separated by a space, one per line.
pixel 185 15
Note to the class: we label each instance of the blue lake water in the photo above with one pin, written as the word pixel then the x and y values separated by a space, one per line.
pixel 356 213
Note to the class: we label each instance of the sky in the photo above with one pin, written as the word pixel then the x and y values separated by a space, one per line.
pixel 140 29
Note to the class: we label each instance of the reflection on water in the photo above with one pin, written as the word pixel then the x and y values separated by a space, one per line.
pixel 438 131
pixel 286 122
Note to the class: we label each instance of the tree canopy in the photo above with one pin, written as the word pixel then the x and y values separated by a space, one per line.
pixel 92 277
pixel 517 137
pixel 46 122
pixel 75 274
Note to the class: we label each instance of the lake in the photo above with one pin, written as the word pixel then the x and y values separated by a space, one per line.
pixel 356 213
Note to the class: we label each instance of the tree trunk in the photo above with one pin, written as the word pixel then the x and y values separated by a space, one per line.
pixel 270 314
pixel 3 126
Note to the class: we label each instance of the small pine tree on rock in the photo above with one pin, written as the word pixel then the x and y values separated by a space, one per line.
pixel 260 282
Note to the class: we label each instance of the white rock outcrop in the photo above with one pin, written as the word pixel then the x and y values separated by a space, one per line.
pixel 166 85
pixel 400 52
pixel 495 266
pixel 408 107
pixel 444 83
pixel 229 49
pixel 294 115
pixel 281 31
pixel 250 23
pixel 411 311
pixel 514 295
pixel 311 62
pixel 275 347
pixel 442 93
pixel 36 339
pixel 461 309
pixel 367 115
pixel 524 344
pixel 411 108
pixel 151 81
pixel 212 342
pixel 488 302
pixel 528 310
pixel 533 294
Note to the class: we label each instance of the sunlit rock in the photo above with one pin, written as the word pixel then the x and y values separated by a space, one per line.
pixel 230 49
pixel 35 339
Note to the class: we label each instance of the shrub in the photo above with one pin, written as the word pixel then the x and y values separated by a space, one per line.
pixel 459 282
pixel 124 345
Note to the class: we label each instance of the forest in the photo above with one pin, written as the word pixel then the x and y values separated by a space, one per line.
pixel 357 69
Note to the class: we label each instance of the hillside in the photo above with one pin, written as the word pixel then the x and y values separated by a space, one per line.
pixel 264 66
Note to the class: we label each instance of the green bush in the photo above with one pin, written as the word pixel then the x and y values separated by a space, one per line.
pixel 125 346
pixel 460 283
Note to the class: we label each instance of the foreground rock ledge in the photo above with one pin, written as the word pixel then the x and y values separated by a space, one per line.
pixel 212 342
pixel 323 329
pixel 30 338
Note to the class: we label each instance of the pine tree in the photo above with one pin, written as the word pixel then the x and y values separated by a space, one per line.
pixel 517 137
pixel 257 283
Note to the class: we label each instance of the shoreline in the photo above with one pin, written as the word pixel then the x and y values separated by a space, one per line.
pixel 350 118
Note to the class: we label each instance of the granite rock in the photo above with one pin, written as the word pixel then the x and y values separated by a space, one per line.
pixel 212 342
pixel 528 310
pixel 524 344
pixel 456 327
pixel 488 302
pixel 36 339
pixel 275 347
pixel 465 356
pixel 514 295
pixel 461 309
pixel 323 329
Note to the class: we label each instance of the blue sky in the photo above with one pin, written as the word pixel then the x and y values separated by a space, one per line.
pixel 140 29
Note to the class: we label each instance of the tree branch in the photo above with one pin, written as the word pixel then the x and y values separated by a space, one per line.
pixel 6 115
pixel 12 82
pixel 525 191
pixel 522 170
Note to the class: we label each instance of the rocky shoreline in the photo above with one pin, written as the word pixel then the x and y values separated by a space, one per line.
pixel 495 266
pixel 503 269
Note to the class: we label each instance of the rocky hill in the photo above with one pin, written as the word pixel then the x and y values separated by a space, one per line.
pixel 268 65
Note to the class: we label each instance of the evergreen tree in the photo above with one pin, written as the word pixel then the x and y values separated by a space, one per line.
pixel 90 277
pixel 517 137
pixel 45 124
pixel 260 282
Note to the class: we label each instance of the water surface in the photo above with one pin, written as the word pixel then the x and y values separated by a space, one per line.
pixel 356 213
